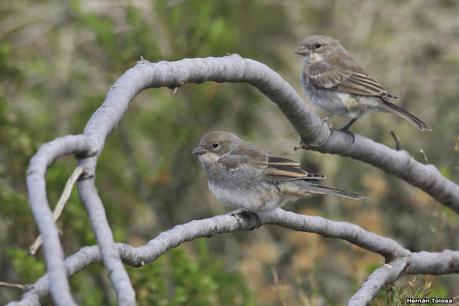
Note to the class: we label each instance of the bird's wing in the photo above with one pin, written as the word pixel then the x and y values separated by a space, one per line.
pixel 282 169
pixel 325 75
pixel 249 156
pixel 275 168
pixel 343 74
pixel 363 85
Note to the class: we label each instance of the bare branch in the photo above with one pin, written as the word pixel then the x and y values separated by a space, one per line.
pixel 60 205
pixel 137 256
pixel 110 255
pixel 314 134
pixel 433 263
pixel 54 255
pixel 424 155
pixel 15 286
pixel 416 263
pixel 386 274
pixel 341 230
pixel 398 145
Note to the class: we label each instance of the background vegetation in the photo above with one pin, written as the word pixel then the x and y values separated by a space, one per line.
pixel 58 59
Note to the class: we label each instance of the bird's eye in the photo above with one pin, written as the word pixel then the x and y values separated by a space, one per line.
pixel 317 46
pixel 215 145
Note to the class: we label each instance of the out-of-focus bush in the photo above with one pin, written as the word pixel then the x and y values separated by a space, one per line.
pixel 58 59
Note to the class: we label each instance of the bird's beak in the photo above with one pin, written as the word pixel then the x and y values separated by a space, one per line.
pixel 198 150
pixel 301 50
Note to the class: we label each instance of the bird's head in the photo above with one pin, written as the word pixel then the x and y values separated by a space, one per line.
pixel 214 145
pixel 316 48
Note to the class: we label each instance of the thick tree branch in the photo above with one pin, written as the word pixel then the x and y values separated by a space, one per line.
pixel 59 206
pixel 418 263
pixel 386 274
pixel 429 263
pixel 38 201
pixel 110 255
pixel 341 230
pixel 399 163
pixel 314 134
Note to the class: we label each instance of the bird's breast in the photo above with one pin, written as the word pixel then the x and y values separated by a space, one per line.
pixel 255 197
pixel 349 101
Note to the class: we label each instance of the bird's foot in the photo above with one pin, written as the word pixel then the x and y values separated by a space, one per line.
pixel 301 145
pixel 248 216
pixel 344 130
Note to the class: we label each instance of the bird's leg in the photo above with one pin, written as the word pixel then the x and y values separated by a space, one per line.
pixel 247 214
pixel 345 128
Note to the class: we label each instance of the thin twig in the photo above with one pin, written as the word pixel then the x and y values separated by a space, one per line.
pixel 301 146
pixel 424 155
pixel 397 141
pixel 60 205
pixel 15 286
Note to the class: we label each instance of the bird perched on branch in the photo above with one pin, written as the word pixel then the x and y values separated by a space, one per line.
pixel 244 176
pixel 336 83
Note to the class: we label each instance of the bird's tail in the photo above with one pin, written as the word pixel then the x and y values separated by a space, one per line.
pixel 306 189
pixel 334 192
pixel 402 113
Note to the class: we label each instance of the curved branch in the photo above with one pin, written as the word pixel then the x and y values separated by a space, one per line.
pixel 138 256
pixel 386 274
pixel 416 263
pixel 341 230
pixel 59 205
pixel 399 163
pixel 38 201
pixel 110 255
pixel 314 134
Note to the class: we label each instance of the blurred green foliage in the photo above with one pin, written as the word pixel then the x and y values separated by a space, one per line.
pixel 396 294
pixel 195 281
pixel 58 59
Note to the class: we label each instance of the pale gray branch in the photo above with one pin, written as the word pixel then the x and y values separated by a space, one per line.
pixel 138 256
pixel 59 206
pixel 399 163
pixel 416 263
pixel 342 230
pixel 38 201
pixel 314 134
pixel 107 246
pixel 429 263
pixel 386 274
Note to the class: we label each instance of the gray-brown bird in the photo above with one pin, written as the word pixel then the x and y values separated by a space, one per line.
pixel 336 83
pixel 244 176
